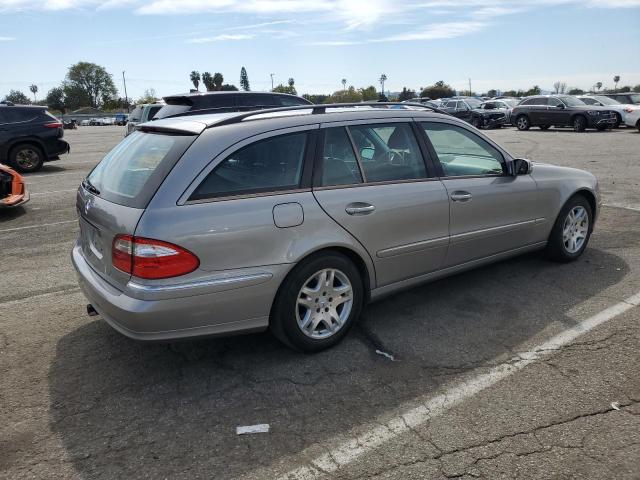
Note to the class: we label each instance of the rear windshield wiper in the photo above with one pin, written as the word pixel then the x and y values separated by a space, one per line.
pixel 86 183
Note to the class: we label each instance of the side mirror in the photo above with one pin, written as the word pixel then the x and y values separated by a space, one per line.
pixel 519 166
pixel 367 153
pixel 561 106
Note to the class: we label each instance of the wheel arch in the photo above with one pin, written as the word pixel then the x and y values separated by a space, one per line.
pixel 21 140
pixel 591 198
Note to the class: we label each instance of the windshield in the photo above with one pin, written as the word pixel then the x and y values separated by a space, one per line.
pixel 473 102
pixel 509 101
pixel 572 101
pixel 131 172
pixel 606 100
pixel 635 98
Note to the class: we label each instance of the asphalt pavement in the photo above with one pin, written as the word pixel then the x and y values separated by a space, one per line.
pixel 522 369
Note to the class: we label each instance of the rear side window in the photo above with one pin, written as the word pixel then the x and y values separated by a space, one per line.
pixel 339 163
pixel 290 101
pixel 589 101
pixel 257 100
pixel 265 166
pixel 388 152
pixel 131 173
pixel 135 115
pixel 153 111
pixel 12 115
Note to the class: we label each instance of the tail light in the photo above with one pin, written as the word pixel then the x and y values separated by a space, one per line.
pixel 53 125
pixel 151 259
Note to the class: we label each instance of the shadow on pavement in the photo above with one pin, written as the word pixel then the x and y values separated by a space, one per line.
pixel 124 409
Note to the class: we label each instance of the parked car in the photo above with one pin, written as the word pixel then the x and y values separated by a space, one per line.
pixel 210 224
pixel 561 110
pixel 493 113
pixel 121 119
pixel 620 109
pixel 424 101
pixel 141 114
pixel 461 107
pixel 629 98
pixel 632 119
pixel 13 191
pixel 29 136
pixel 85 122
pixel 221 102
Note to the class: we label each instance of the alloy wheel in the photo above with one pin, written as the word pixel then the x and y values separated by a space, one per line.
pixel 27 158
pixel 575 229
pixel 324 303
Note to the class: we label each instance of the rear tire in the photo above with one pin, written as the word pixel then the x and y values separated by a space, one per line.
pixel 571 231
pixel 310 314
pixel 26 157
pixel 579 123
pixel 523 123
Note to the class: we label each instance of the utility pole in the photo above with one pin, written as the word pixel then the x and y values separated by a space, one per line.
pixel 470 87
pixel 126 97
pixel 271 81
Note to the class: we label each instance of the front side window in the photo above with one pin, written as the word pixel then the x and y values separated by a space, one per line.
pixel 572 101
pixel 339 163
pixel 388 152
pixel 554 102
pixel 461 152
pixel 267 165
pixel 589 101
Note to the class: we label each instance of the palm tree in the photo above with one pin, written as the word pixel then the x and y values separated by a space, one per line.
pixel 599 85
pixel 195 79
pixel 344 85
pixel 217 80
pixel 34 90
pixel 616 79
pixel 383 78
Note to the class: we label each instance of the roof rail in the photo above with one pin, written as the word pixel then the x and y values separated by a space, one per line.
pixel 315 110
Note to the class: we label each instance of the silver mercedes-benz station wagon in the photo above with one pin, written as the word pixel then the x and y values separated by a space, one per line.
pixel 294 218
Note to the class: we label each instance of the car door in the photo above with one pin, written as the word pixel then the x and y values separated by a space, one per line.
pixel 557 113
pixel 490 211
pixel 371 178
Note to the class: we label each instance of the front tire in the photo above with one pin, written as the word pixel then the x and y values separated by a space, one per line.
pixel 478 123
pixel 523 123
pixel 26 158
pixel 579 123
pixel 571 231
pixel 318 302
pixel 618 120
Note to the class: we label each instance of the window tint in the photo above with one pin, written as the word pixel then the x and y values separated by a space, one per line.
pixel 553 102
pixel 257 100
pixel 19 114
pixel 213 100
pixel 388 152
pixel 589 101
pixel 535 101
pixel 268 165
pixel 461 152
pixel 339 164
pixel 290 101
pixel 134 116
pixel 153 111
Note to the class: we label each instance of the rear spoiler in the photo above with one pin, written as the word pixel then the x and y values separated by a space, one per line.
pixel 172 127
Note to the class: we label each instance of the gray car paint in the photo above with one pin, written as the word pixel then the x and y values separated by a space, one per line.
pixel 245 254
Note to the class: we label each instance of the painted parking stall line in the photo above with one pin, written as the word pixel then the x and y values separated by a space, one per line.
pixel 347 452
pixel 41 225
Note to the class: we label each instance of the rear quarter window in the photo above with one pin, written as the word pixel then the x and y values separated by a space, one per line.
pixel 131 173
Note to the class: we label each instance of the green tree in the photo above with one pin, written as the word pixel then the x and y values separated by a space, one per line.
pixel 535 90
pixel 368 94
pixel 207 79
pixel 316 98
pixel 217 81
pixel 616 79
pixel 624 89
pixel 227 87
pixel 17 97
pixel 406 94
pixel 576 91
pixel 349 95
pixel 93 80
pixel 195 78
pixel 599 85
pixel 383 78
pixel 438 90
pixel 149 96
pixel 244 80
pixel 55 99
pixel 75 96
pixel 492 93
pixel 289 88
pixel 34 90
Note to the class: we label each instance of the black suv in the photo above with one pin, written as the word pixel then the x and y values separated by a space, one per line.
pixel 223 102
pixel 29 136
pixel 461 108
pixel 560 110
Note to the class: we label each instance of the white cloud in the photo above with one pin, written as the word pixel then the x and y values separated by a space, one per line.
pixel 221 38
pixel 7 39
pixel 437 31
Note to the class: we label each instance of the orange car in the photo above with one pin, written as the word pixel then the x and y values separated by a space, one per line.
pixel 13 191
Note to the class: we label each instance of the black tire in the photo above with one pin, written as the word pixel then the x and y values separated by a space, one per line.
pixel 26 157
pixel 618 120
pixel 544 127
pixel 579 123
pixel 478 123
pixel 557 250
pixel 523 123
pixel 284 322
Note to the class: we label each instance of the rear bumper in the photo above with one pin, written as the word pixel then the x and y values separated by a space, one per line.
pixel 239 306
pixel 13 201
pixel 54 149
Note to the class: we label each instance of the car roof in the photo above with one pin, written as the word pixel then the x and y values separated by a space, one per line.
pixel 289 117
pixel 24 107
pixel 228 92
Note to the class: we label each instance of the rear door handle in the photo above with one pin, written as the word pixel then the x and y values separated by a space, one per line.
pixel 359 208
pixel 461 196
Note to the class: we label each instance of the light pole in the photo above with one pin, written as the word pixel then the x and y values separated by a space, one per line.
pixel 126 97
pixel 271 81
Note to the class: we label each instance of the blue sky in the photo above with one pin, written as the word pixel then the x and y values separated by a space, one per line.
pixel 499 44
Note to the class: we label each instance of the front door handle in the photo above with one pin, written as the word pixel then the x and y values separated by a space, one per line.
pixel 360 208
pixel 461 196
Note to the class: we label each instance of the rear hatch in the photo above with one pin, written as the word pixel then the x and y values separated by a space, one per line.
pixel 113 197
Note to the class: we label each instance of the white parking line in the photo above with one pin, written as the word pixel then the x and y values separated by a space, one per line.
pixel 51 192
pixel 623 206
pixel 50 175
pixel 37 226
pixel 343 453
